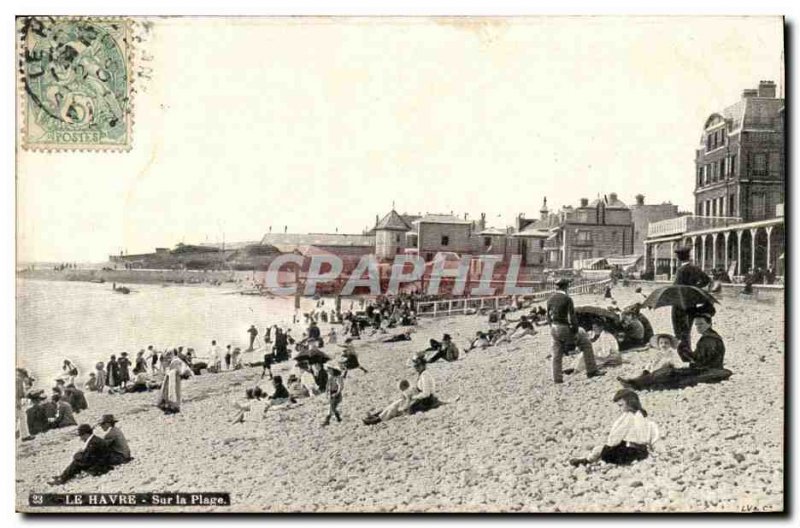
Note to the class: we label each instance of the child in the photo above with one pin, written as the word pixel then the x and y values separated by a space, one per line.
pixel 334 390
pixel 253 408
pixel 269 358
pixel 668 355
pixel 350 357
pixel 632 435
pixel 236 358
pixel 332 337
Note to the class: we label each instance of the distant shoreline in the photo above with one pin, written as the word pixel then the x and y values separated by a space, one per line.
pixel 236 279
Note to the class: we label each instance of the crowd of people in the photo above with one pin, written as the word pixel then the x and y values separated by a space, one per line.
pixel 322 364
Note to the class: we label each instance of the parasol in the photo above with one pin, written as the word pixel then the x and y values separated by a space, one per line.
pixel 312 356
pixel 681 296
pixel 587 315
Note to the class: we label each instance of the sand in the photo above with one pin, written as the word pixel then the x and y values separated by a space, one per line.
pixel 503 446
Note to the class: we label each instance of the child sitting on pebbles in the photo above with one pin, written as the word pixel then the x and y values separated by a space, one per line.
pixel 631 438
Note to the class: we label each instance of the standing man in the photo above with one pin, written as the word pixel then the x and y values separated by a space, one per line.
pixel 253 331
pixel 687 274
pixel 565 332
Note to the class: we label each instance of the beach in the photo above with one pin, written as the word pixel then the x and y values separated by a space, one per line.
pixel 502 444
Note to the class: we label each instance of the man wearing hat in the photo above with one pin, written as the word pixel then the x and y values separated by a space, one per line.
pixel 687 274
pixel 36 415
pixel 115 440
pixel 93 458
pixel 447 350
pixel 564 332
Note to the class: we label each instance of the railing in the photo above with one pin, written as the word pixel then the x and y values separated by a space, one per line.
pixel 467 305
pixel 683 224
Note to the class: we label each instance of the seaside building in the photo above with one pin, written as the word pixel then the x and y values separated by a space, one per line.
pixel 644 214
pixel 602 228
pixel 739 182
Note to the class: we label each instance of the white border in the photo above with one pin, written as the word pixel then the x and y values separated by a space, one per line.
pixel 345 7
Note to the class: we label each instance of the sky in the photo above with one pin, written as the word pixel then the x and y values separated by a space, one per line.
pixel 318 125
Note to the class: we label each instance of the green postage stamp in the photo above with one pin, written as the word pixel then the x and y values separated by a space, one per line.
pixel 75 83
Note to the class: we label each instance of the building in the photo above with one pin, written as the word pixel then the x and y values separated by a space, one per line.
pixel 530 236
pixel 390 235
pixel 739 163
pixel 602 228
pixel 443 233
pixel 643 215
pixel 740 187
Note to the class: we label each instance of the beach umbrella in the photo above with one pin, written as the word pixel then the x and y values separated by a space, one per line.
pixel 312 356
pixel 685 297
pixel 588 315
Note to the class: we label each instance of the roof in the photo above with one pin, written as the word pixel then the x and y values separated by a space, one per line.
pixel 393 222
pixel 493 231
pixel 441 219
pixel 615 203
pixel 752 113
pixel 287 242
pixel 534 230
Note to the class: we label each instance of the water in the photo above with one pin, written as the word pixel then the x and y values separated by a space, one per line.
pixel 87 322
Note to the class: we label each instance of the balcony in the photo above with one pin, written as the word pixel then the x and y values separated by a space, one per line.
pixel 684 224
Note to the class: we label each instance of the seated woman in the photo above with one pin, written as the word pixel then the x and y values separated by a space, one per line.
pixel 295 387
pixel 425 397
pixel 252 409
pixel 705 364
pixel 140 383
pixel 631 438
pixel 636 330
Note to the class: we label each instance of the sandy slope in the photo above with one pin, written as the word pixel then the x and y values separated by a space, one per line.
pixel 503 445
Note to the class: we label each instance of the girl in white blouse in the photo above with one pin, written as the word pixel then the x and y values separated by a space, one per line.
pixel 632 435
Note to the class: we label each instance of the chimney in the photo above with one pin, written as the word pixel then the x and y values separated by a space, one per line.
pixel 543 212
pixel 466 216
pixel 639 199
pixel 747 94
pixel 483 221
pixel 285 229
pixel 584 202
pixel 376 219
pixel 766 89
pixel 612 197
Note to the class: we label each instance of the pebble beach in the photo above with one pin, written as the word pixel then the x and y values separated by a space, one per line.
pixel 501 444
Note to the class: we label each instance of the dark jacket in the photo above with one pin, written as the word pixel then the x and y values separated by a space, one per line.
pixel 690 275
pixel 710 351
pixel 37 419
pixel 64 415
pixel 95 454
pixel 76 399
pixel 117 444
pixel 561 310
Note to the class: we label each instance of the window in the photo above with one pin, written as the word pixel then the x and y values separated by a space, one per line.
pixel 541 243
pixel 487 241
pixel 732 206
pixel 584 236
pixel 722 166
pixel 445 240
pixel 705 174
pixel 732 168
pixel 724 135
pixel 759 205
pixel 708 142
pixel 759 164
pixel 714 207
pixel 397 239
pixel 699 176
pixel 613 236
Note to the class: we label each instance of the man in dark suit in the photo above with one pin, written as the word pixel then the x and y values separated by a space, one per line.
pixel 93 458
pixel 687 274
pixel 566 334
pixel 119 452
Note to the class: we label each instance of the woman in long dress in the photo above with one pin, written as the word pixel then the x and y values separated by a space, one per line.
pixel 169 398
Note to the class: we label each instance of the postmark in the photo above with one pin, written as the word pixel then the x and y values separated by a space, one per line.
pixel 75 83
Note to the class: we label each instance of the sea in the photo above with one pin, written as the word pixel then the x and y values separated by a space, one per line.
pixel 87 322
